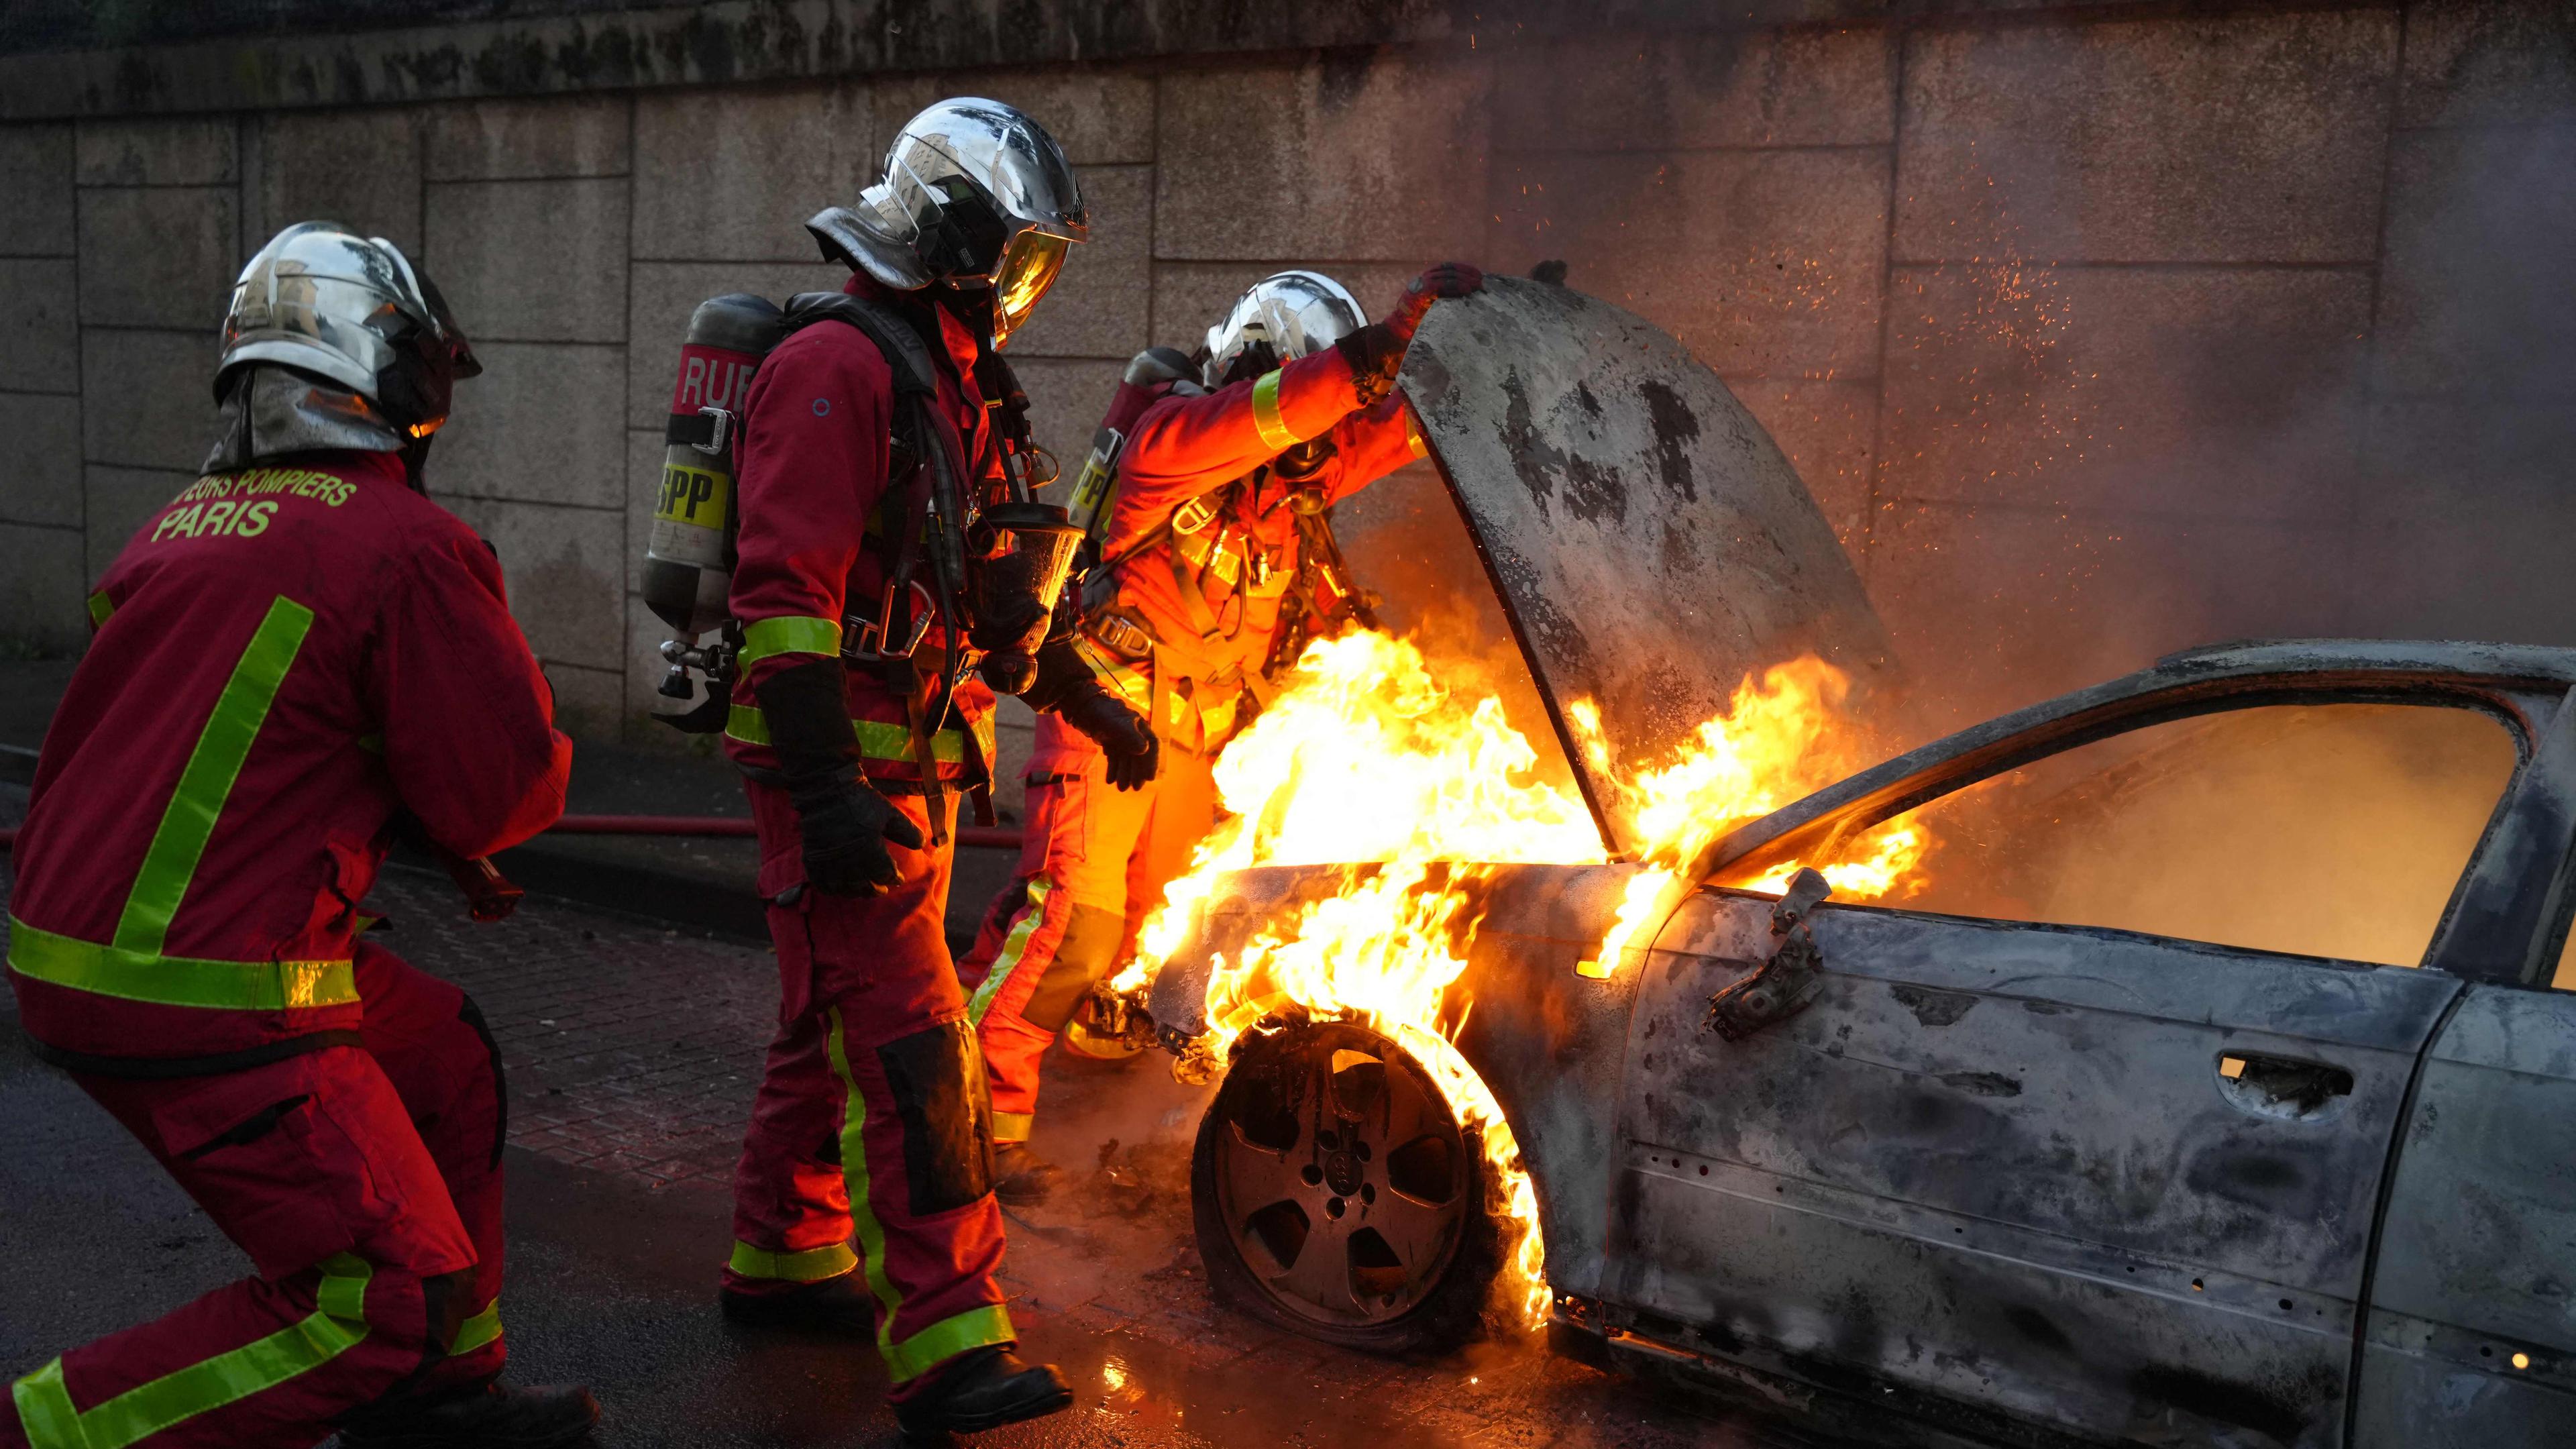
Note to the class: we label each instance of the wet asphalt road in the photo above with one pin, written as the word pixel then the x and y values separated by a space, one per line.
pixel 612 1264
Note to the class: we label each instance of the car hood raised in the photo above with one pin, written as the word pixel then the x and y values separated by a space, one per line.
pixel 1650 543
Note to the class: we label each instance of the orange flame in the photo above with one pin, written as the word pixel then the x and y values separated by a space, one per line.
pixel 1367 762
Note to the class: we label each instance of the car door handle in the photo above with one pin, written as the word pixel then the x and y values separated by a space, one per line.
pixel 2283 1087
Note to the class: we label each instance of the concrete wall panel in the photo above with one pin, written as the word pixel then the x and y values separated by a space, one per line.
pixel 1100 117
pixel 528 140
pixel 2224 393
pixel 663 295
pixel 36 176
pixel 2474 292
pixel 532 261
pixel 2247 138
pixel 563 571
pixel 2488 62
pixel 541 424
pixel 39 326
pixel 1764 263
pixel 40 459
pixel 1066 400
pixel 2463 531
pixel 157 151
pixel 161 256
pixel 358 168
pixel 590 704
pixel 644 451
pixel 1631 93
pixel 732 175
pixel 146 397
pixel 120 499
pixel 42 592
pixel 1099 308
pixel 1368 155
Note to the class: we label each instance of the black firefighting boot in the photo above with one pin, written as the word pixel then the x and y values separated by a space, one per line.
pixel 839 1304
pixel 983 1389
pixel 1020 1177
pixel 486 1416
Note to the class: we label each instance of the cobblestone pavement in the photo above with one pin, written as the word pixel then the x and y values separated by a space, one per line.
pixel 632 1052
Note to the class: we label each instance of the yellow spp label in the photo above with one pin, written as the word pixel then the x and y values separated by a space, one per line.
pixel 693 496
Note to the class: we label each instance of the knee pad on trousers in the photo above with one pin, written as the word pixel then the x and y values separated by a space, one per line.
pixel 472 1015
pixel 937 1083
pixel 1091 937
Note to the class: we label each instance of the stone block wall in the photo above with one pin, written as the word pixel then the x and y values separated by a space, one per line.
pixel 2094 335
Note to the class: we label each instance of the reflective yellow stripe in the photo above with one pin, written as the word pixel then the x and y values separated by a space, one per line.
pixel 178 980
pixel 949 1337
pixel 877 740
pixel 477 1331
pixel 1013 1126
pixel 1014 947
pixel 813 1265
pixel 1265 413
pixel 1413 438
pixel 789 634
pixel 45 1409
pixel 188 821
pixel 100 607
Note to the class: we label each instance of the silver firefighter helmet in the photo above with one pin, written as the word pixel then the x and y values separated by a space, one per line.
pixel 351 310
pixel 975 195
pixel 1280 319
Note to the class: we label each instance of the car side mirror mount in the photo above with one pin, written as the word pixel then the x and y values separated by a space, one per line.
pixel 1790 980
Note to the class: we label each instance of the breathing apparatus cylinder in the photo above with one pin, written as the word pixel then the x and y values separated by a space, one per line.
pixel 689 556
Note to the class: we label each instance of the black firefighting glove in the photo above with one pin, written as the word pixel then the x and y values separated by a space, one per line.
pixel 845 824
pixel 1449 279
pixel 1067 687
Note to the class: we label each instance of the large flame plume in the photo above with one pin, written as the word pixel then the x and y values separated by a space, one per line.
pixel 1368 762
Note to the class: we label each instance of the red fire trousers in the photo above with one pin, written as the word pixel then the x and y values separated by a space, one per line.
pixel 872 1122
pixel 1092 866
pixel 364 1181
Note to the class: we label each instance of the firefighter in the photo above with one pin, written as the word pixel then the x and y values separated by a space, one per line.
pixel 857 729
pixel 1216 563
pixel 295 658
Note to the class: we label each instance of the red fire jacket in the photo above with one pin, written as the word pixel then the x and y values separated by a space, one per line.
pixel 1184 448
pixel 815 436
pixel 285 657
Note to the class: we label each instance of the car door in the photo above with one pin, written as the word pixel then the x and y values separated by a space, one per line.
pixel 2012 1171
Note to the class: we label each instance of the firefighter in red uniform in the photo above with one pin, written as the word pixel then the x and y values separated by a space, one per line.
pixel 297 653
pixel 1216 540
pixel 863 1201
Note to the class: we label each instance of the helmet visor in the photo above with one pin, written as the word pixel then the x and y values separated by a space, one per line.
pixel 1029 267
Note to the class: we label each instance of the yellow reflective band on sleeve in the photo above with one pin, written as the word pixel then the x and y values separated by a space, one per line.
pixel 100 607
pixel 1015 947
pixel 477 1331
pixel 877 740
pixel 1013 1126
pixel 45 1409
pixel 763 638
pixel 188 821
pixel 1413 438
pixel 949 1337
pixel 178 980
pixel 813 1265
pixel 1265 413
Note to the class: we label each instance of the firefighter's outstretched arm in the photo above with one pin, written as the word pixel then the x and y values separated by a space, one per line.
pixel 468 718
pixel 813 470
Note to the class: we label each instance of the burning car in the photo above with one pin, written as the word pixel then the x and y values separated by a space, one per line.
pixel 2175 1061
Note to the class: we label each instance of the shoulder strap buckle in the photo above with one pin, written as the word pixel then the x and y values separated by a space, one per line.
pixel 719 426
pixel 1194 515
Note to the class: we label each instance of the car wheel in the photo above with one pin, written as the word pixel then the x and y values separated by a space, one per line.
pixel 1336 1196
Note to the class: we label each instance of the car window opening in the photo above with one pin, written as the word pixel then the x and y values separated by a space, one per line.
pixel 2333 830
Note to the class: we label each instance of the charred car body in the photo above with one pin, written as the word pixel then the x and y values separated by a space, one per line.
pixel 1988 1178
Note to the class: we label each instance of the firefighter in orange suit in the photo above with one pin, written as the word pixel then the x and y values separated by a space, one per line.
pixel 293 655
pixel 863 1202
pixel 1215 563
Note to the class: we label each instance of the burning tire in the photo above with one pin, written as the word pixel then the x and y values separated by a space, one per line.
pixel 1336 1196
